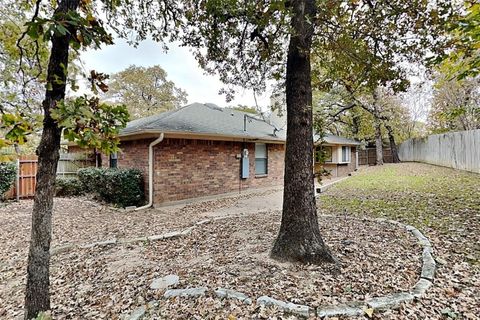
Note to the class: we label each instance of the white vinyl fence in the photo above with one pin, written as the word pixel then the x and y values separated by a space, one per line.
pixel 459 150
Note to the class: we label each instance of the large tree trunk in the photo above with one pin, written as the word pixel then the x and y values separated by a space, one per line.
pixel 37 295
pixel 378 142
pixel 393 145
pixel 299 238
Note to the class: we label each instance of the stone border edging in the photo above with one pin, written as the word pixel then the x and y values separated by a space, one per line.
pixel 354 308
pixel 163 236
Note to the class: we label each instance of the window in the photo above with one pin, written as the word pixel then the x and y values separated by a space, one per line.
pixel 345 154
pixel 113 160
pixel 327 154
pixel 261 159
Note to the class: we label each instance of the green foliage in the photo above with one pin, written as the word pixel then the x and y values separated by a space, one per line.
pixel 27 50
pixel 91 178
pixel 89 30
pixel 16 126
pixel 123 187
pixel 245 108
pixel 8 172
pixel 44 316
pixel 464 61
pixel 455 105
pixel 90 123
pixel 145 91
pixel 68 187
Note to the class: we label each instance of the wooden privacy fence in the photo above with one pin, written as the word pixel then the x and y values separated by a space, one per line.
pixel 369 156
pixel 459 150
pixel 27 167
pixel 26 178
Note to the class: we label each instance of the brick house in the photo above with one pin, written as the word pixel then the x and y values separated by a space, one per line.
pixel 341 155
pixel 201 150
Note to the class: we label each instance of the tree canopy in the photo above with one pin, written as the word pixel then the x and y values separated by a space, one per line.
pixel 145 91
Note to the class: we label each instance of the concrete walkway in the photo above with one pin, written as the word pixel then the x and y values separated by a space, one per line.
pixel 254 201
pixel 254 204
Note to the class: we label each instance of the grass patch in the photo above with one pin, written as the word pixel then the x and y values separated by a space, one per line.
pixel 435 199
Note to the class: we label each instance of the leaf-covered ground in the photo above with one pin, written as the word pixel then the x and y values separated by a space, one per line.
pixel 376 258
pixel 444 204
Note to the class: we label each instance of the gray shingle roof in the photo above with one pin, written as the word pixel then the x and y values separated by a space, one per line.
pixel 333 139
pixel 210 119
pixel 207 119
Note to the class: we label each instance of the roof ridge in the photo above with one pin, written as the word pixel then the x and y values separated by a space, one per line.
pixel 163 115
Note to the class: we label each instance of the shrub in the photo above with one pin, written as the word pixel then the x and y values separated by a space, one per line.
pixel 123 187
pixel 68 187
pixel 8 172
pixel 91 178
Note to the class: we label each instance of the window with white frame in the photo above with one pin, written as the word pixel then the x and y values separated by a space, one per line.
pixel 345 154
pixel 261 159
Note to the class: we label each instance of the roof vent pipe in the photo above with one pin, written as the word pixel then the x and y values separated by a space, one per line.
pixel 150 172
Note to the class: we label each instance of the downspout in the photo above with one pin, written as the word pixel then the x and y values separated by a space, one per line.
pixel 150 172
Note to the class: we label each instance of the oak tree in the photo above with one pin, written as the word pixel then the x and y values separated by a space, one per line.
pixel 145 91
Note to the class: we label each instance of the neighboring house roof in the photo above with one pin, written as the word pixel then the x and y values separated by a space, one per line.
pixel 210 119
pixel 333 139
pixel 206 119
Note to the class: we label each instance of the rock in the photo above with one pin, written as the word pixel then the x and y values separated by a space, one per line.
pixel 350 310
pixel 297 309
pixel 133 240
pixel 137 314
pixel 396 223
pixel 187 293
pixel 155 237
pixel 226 293
pixel 420 288
pixel 172 234
pixel 421 238
pixel 100 244
pixel 187 231
pixel 165 282
pixel 410 228
pixel 61 249
pixel 429 265
pixel 199 223
pixel 390 301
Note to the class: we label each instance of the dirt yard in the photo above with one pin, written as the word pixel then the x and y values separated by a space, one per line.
pixel 376 258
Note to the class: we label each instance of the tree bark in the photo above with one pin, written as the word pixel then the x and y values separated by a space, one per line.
pixel 378 142
pixel 299 238
pixel 37 295
pixel 393 145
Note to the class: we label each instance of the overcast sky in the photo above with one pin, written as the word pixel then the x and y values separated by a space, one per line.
pixel 179 63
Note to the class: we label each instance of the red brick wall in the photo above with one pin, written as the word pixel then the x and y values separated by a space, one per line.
pixel 134 154
pixel 193 168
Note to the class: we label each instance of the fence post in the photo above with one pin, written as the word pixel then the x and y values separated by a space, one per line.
pixel 17 181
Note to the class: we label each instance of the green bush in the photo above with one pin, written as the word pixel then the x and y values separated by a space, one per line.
pixel 123 187
pixel 92 178
pixel 68 187
pixel 8 172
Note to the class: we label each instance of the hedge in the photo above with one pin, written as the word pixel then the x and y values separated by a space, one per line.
pixel 123 187
pixel 68 187
pixel 8 172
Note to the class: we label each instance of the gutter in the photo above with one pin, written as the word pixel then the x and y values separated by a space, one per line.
pixel 203 135
pixel 150 172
